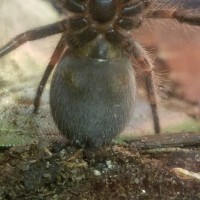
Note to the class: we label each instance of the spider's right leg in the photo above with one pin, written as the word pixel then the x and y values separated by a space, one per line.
pixel 34 34
pixel 146 64
pixel 182 16
pixel 58 52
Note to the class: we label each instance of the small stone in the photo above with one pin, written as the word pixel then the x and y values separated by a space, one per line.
pixel 97 173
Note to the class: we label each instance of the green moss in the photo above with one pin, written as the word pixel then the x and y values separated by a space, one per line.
pixel 188 125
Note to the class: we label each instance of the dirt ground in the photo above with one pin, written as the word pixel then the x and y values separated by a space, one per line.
pixel 40 166
pixel 118 173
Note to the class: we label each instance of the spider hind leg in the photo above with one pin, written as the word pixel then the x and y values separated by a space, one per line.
pixel 146 64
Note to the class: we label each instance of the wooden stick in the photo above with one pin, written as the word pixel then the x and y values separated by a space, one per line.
pixel 175 140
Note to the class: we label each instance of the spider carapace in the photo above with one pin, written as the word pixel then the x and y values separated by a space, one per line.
pixel 93 88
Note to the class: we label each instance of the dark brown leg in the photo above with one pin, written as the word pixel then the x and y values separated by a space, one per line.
pixel 60 49
pixel 183 16
pixel 145 62
pixel 35 34
pixel 132 9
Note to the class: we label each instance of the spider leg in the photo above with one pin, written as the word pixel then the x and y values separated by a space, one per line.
pixel 135 8
pixel 34 34
pixel 183 16
pixel 58 52
pixel 145 62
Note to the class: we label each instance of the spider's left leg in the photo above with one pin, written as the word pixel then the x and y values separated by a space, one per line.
pixel 145 62
pixel 57 54
pixel 181 15
pixel 34 34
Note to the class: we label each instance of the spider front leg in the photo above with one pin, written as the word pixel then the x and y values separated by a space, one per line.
pixel 34 34
pixel 183 16
pixel 58 52
pixel 145 62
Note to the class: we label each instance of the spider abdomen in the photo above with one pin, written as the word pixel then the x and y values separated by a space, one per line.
pixel 92 100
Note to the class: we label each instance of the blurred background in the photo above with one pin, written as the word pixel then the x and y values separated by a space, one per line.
pixel 174 47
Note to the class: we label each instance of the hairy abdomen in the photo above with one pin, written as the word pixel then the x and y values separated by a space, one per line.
pixel 92 100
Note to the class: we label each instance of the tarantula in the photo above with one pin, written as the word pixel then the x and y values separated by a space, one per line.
pixel 92 92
